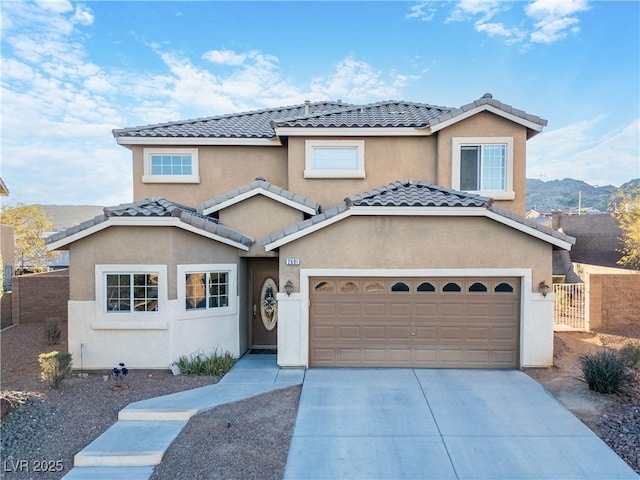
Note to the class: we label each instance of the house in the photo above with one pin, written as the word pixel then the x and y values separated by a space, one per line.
pixel 294 229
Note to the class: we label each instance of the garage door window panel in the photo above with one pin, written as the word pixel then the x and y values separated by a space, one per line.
pixel 452 287
pixel 477 287
pixel 503 288
pixel 426 287
pixel 375 286
pixel 400 287
pixel 324 287
pixel 349 287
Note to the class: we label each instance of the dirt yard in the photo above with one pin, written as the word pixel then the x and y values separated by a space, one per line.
pixel 614 418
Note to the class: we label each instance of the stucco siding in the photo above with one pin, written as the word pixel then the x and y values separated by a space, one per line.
pixel 139 246
pixel 486 124
pixel 386 159
pixel 417 242
pixel 259 217
pixel 222 168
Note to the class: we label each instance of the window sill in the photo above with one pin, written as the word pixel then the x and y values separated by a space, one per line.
pixel 208 313
pixel 334 174
pixel 495 195
pixel 170 179
pixel 130 325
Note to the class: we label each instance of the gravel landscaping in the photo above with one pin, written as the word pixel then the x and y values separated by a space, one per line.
pixel 243 440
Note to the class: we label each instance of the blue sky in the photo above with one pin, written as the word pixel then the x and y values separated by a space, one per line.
pixel 73 71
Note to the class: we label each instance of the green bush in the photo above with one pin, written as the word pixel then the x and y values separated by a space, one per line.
pixel 605 371
pixel 630 353
pixel 52 332
pixel 215 365
pixel 55 367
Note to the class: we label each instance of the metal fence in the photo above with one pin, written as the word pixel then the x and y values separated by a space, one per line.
pixel 569 307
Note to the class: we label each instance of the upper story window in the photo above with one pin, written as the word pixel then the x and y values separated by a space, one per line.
pixel 483 165
pixel 171 165
pixel 334 159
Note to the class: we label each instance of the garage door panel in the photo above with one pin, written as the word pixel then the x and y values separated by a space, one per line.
pixel 438 322
pixel 400 309
pixel 374 333
pixel 427 310
pixel 399 332
pixel 478 334
pixel 323 332
pixel 425 333
pixel 450 333
pixel 348 309
pixel 349 332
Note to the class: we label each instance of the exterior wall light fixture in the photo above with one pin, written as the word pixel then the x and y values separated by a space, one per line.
pixel 288 287
pixel 544 288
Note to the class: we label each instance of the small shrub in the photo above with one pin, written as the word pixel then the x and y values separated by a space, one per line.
pixel 604 371
pixel 214 364
pixel 52 331
pixel 630 353
pixel 55 367
pixel 218 365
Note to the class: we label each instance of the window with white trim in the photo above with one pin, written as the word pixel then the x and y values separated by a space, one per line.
pixel 131 292
pixel 334 159
pixel 208 288
pixel 171 165
pixel 483 165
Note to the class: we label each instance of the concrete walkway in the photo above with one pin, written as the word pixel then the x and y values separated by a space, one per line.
pixel 440 424
pixel 131 448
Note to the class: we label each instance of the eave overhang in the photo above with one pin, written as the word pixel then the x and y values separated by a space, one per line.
pixel 143 222
pixel 424 212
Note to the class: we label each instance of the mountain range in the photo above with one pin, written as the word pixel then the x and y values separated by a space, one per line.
pixel 553 194
pixel 569 193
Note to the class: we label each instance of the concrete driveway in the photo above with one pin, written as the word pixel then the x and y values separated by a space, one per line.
pixel 440 424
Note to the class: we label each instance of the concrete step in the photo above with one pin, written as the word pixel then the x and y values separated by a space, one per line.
pixel 130 444
pixel 109 473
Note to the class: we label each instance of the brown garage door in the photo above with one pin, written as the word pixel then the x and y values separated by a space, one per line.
pixel 415 322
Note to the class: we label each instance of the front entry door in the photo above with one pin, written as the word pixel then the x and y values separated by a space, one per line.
pixel 264 308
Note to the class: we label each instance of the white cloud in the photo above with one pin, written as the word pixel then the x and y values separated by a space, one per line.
pixel 583 151
pixel 545 22
pixel 424 11
pixel 554 20
pixel 471 9
pixel 225 57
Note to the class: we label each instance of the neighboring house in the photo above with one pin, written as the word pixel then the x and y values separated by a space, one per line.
pixel 597 238
pixel 291 228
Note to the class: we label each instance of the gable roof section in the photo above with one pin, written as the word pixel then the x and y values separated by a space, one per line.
pixel 416 198
pixel 487 103
pixel 254 125
pixel 261 187
pixel 152 212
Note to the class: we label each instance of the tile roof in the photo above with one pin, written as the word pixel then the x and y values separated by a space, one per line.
pixel 487 99
pixel 154 208
pixel 261 124
pixel 261 183
pixel 253 124
pixel 390 113
pixel 414 193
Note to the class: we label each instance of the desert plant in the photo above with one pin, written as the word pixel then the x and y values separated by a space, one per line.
pixel 604 371
pixel 214 364
pixel 218 365
pixel 55 367
pixel 630 353
pixel 52 331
